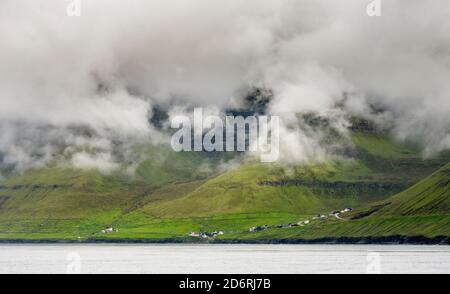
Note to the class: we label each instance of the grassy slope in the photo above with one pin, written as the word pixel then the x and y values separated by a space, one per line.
pixel 395 161
pixel 422 210
pixel 408 226
pixel 234 201
pixel 381 146
pixel 428 197
pixel 63 201
pixel 241 191
pixel 173 195
pixel 164 166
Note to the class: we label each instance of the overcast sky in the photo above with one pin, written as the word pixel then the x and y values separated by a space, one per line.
pixel 208 53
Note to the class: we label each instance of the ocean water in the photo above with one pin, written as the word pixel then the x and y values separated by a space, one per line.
pixel 223 259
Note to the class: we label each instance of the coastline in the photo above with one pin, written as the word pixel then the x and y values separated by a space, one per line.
pixel 388 240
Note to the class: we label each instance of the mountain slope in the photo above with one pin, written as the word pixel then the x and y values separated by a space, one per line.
pixel 259 188
pixel 422 211
pixel 62 203
pixel 381 167
pixel 163 166
pixel 175 193
pixel 428 197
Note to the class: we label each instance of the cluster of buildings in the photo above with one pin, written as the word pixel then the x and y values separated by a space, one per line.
pixel 335 213
pixel 291 225
pixel 206 235
pixel 257 229
pixel 110 230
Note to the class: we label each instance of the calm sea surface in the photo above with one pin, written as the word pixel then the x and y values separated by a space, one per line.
pixel 228 259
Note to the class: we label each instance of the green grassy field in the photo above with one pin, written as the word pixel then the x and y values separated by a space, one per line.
pixel 173 194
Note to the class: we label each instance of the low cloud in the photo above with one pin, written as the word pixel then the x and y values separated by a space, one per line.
pixel 103 71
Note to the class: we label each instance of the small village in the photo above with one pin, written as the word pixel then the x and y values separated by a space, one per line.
pixel 335 213
pixel 206 235
pixel 211 235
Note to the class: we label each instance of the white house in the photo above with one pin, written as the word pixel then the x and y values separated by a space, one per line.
pixel 194 234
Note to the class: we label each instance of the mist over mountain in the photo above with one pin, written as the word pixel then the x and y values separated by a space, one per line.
pixel 84 90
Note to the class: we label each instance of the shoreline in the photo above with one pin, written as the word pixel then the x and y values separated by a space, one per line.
pixel 389 240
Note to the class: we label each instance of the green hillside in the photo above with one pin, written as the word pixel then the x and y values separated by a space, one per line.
pixel 172 194
pixel 61 201
pixel 256 194
pixel 428 197
pixel 163 166
pixel 420 211
pixel 258 188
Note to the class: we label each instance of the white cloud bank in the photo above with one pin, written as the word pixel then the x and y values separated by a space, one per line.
pixel 104 69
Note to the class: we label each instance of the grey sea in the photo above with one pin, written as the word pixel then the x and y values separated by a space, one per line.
pixel 223 259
